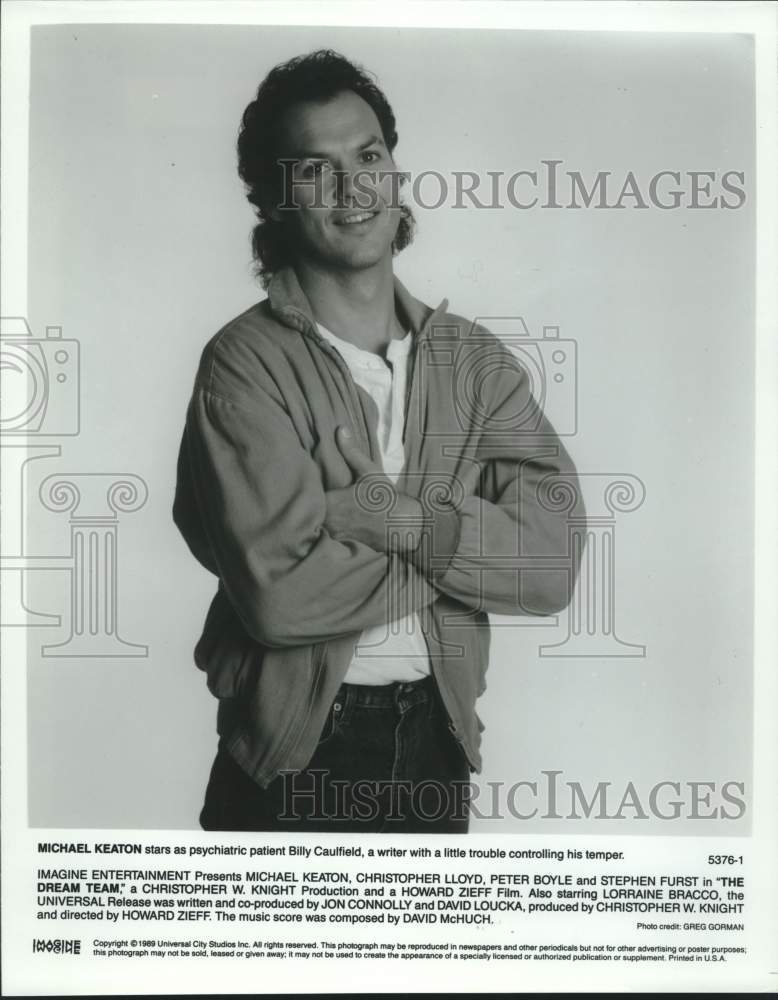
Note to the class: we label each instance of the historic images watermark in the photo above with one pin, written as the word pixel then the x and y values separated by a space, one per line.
pixel 41 402
pixel 550 795
pixel 550 184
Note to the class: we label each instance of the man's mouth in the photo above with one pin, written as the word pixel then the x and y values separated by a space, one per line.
pixel 355 218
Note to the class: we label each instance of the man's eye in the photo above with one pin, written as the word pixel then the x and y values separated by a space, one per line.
pixel 370 156
pixel 314 168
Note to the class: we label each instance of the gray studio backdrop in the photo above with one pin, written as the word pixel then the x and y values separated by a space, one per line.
pixel 138 250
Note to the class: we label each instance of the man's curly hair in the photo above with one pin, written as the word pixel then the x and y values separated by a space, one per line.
pixel 318 76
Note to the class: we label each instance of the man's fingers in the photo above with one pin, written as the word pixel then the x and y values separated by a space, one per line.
pixel 358 461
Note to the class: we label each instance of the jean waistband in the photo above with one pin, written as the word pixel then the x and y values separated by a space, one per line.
pixel 387 695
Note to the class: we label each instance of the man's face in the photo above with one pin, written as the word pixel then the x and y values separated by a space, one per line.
pixel 343 185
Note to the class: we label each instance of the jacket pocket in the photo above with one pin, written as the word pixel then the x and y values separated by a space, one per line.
pixel 227 655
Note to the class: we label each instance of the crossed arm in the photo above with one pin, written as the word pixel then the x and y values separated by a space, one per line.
pixel 301 565
pixel 251 506
pixel 486 544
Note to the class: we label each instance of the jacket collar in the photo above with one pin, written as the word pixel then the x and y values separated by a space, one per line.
pixel 290 306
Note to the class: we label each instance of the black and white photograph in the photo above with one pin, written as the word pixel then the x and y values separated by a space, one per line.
pixel 388 422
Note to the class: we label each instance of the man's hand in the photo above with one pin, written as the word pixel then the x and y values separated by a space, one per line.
pixel 371 510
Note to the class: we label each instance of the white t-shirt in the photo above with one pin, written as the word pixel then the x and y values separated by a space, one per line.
pixel 396 651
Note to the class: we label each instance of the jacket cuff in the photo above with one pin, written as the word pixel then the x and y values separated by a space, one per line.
pixel 438 541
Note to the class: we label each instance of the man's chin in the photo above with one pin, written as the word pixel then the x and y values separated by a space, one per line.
pixel 356 259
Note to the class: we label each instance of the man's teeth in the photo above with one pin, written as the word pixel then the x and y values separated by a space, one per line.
pixel 359 217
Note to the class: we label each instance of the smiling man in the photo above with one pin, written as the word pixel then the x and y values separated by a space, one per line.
pixel 365 476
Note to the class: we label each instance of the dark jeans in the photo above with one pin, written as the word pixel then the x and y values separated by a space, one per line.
pixel 386 762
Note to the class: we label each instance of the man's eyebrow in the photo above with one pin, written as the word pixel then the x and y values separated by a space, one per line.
pixel 372 141
pixel 307 154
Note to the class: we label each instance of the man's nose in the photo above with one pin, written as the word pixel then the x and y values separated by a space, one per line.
pixel 352 190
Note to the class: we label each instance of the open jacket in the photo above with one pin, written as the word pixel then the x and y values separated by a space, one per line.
pixel 257 455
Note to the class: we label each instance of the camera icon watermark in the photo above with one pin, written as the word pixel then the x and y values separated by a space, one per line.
pixel 494 348
pixel 40 381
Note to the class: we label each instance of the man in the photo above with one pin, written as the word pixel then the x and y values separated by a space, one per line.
pixel 365 476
